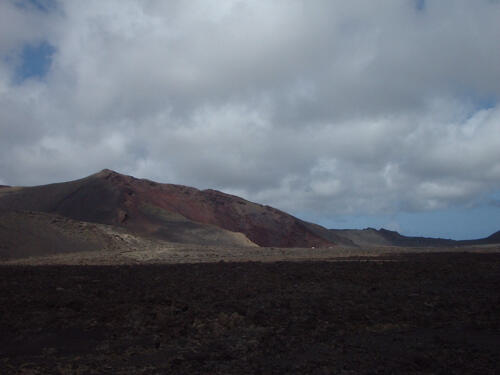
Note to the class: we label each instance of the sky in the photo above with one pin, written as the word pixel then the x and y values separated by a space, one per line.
pixel 350 114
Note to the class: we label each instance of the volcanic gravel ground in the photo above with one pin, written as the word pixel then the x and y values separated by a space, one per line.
pixel 422 314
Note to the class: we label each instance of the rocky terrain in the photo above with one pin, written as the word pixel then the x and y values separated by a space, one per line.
pixel 408 314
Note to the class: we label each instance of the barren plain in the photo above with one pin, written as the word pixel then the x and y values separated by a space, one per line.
pixel 400 314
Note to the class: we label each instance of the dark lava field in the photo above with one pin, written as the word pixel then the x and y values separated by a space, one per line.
pixel 410 314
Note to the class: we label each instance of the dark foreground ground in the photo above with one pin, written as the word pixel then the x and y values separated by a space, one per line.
pixel 425 314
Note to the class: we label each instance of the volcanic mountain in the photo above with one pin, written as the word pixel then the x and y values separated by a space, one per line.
pixel 54 218
pixel 171 212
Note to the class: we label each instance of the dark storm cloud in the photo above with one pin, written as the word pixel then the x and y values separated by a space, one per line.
pixel 325 106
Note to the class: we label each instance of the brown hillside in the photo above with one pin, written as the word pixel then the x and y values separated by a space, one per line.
pixel 163 210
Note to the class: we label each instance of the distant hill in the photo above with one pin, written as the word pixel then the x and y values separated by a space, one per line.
pixel 384 237
pixel 492 239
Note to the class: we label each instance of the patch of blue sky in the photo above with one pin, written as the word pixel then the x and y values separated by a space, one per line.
pixel 478 103
pixel 41 5
pixel 495 199
pixel 419 5
pixel 487 102
pixel 35 61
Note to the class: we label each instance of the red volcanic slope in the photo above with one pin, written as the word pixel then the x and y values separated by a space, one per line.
pixel 145 206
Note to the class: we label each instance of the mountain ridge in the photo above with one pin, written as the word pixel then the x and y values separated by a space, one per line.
pixel 184 214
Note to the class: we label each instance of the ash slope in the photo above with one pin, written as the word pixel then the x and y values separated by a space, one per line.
pixel 25 234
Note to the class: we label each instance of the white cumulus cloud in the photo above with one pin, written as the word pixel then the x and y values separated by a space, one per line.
pixel 319 107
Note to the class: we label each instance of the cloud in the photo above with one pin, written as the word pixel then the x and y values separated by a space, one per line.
pixel 18 25
pixel 324 107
